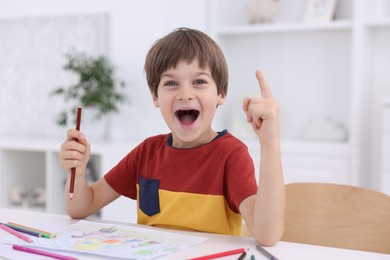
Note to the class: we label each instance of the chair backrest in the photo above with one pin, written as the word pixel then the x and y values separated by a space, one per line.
pixel 337 216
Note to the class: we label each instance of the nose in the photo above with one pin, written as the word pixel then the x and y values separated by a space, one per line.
pixel 185 93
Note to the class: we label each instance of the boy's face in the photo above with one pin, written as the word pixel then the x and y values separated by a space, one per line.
pixel 187 98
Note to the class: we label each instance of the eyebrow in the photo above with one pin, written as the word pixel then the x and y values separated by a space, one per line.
pixel 197 74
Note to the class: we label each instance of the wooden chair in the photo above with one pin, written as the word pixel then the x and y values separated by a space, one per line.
pixel 337 216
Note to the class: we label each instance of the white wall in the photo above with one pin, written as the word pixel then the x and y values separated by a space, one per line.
pixel 135 25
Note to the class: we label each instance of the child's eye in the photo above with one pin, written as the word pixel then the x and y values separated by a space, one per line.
pixel 170 83
pixel 199 82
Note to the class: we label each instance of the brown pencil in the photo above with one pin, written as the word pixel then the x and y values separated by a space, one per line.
pixel 73 170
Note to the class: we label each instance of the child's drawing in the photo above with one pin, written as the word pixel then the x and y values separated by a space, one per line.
pixel 117 241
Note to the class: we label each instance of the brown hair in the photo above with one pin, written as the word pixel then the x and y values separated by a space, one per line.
pixel 184 44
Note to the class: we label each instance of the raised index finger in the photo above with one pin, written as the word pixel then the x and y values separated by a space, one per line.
pixel 265 91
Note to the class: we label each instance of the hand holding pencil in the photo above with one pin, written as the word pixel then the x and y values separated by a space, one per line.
pixel 74 154
pixel 73 169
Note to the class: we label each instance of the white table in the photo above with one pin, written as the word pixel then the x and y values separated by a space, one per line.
pixel 214 244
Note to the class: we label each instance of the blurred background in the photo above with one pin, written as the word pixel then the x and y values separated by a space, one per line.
pixel 327 63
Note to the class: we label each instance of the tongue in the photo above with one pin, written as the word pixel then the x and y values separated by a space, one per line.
pixel 187 119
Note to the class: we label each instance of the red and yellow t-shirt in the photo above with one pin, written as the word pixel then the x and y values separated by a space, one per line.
pixel 196 188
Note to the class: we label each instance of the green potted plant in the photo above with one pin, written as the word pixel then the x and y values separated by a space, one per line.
pixel 97 87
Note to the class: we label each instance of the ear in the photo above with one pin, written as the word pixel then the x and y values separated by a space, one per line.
pixel 221 99
pixel 155 101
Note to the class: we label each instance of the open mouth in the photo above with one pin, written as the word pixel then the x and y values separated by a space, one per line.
pixel 187 117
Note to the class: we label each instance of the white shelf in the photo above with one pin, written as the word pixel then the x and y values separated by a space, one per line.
pixel 309 147
pixel 383 23
pixel 30 163
pixel 316 148
pixel 309 161
pixel 284 28
pixel 29 144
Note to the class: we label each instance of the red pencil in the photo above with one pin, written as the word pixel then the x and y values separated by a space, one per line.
pixel 222 254
pixel 73 170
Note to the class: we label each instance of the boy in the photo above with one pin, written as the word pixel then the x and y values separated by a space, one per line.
pixel 193 178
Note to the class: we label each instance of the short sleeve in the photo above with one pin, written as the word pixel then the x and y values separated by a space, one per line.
pixel 123 177
pixel 240 177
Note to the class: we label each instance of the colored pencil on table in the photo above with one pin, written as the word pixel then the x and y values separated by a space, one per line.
pixel 242 256
pixel 73 170
pixel 15 233
pixel 23 230
pixel 41 233
pixel 221 254
pixel 41 252
pixel 265 253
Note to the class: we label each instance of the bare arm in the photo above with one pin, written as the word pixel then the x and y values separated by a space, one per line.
pixel 264 212
pixel 87 199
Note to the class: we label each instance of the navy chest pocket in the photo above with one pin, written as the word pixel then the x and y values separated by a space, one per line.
pixel 149 201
